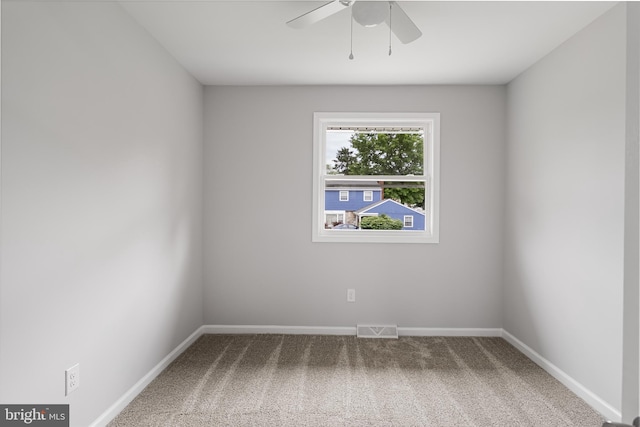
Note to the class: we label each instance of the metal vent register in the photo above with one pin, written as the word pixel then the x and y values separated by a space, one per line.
pixel 377 331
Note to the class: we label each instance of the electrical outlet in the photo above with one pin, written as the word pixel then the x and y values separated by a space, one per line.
pixel 351 295
pixel 71 379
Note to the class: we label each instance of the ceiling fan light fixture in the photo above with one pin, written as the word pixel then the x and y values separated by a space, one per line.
pixel 370 13
pixel 366 13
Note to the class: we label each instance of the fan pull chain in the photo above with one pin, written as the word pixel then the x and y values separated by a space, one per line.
pixel 351 54
pixel 390 7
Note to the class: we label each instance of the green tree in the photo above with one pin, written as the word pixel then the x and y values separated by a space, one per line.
pixel 385 154
pixel 381 222
pixel 345 161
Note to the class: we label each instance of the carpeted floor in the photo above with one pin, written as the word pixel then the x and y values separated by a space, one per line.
pixel 299 380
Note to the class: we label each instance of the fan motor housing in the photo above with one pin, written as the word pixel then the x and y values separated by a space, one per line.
pixel 370 13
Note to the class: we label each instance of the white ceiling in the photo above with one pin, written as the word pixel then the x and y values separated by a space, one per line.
pixel 248 43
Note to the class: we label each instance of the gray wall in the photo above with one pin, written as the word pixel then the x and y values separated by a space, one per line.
pixel 101 204
pixel 565 206
pixel 631 328
pixel 260 265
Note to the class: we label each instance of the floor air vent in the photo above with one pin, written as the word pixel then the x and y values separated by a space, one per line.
pixel 377 331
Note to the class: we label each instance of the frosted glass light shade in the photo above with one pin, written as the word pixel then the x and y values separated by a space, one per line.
pixel 370 13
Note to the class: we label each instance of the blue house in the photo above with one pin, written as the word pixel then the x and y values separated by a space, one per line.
pixel 340 204
pixel 411 219
pixel 350 199
pixel 347 205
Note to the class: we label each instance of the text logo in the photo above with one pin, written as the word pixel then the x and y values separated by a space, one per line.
pixel 34 415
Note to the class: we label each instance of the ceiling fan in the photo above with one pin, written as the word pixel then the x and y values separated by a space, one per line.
pixel 366 13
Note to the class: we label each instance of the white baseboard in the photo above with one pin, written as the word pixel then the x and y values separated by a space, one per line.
pixel 275 329
pixel 348 330
pixel 607 411
pixel 450 332
pixel 130 394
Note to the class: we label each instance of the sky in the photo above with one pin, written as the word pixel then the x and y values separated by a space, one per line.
pixel 336 139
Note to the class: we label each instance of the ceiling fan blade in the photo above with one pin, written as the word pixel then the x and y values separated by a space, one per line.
pixel 401 25
pixel 319 13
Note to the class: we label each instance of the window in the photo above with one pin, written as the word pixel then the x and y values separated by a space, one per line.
pixel 392 160
pixel 333 218
pixel 408 221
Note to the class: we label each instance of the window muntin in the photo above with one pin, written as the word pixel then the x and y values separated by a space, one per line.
pixel 420 175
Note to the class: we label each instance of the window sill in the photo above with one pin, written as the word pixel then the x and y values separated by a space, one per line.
pixel 373 236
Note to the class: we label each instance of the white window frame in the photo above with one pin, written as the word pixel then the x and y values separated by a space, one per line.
pixel 405 222
pixel 340 199
pixel 366 193
pixel 430 122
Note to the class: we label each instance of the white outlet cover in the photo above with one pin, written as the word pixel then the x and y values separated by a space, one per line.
pixel 351 295
pixel 71 379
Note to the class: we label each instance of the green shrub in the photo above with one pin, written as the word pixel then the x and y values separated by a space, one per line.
pixel 382 222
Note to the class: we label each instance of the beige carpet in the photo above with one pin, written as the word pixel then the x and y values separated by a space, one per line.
pixel 293 380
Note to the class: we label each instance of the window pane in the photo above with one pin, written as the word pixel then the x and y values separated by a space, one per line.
pixel 395 200
pixel 374 152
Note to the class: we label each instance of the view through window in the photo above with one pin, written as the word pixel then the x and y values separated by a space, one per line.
pixel 375 177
